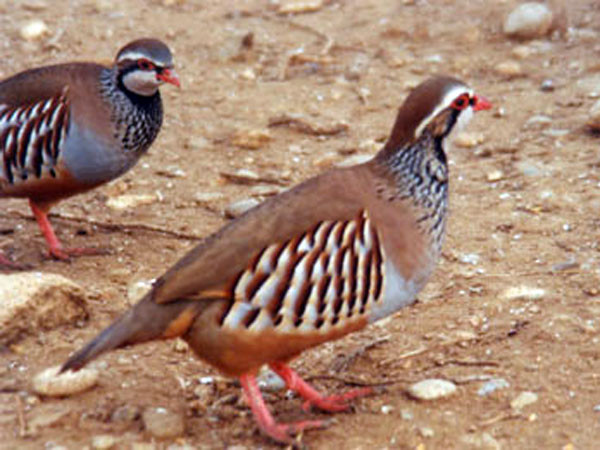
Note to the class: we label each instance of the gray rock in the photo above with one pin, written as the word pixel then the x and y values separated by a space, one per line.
pixel 163 423
pixel 528 21
pixel 34 301
pixel 432 389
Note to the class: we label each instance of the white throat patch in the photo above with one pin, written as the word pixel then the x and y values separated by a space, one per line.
pixel 142 82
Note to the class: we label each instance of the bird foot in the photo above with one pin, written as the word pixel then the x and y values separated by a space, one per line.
pixel 65 254
pixel 332 403
pixel 280 432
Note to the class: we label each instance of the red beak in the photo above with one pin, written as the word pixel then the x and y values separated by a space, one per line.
pixel 169 76
pixel 481 103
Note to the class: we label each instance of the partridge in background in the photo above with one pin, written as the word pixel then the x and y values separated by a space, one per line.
pixel 67 128
pixel 310 265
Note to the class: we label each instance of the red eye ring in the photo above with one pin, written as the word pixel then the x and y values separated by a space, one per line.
pixel 145 64
pixel 461 102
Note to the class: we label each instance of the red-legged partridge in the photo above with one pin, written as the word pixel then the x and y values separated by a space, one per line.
pixel 310 265
pixel 67 128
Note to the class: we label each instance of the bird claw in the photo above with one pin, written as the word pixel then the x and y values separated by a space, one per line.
pixel 336 403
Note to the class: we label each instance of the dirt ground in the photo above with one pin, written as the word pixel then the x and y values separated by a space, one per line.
pixel 525 208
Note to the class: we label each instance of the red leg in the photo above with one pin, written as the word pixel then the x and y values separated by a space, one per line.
pixel 332 403
pixel 281 432
pixel 55 249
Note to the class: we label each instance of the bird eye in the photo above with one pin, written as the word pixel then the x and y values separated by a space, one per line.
pixel 461 102
pixel 144 64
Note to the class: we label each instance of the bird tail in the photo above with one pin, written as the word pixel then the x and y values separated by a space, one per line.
pixel 146 321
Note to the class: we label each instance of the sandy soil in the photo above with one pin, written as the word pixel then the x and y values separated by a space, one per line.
pixel 525 205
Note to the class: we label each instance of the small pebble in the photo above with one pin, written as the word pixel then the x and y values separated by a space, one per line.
pixel 103 442
pixel 270 381
pixel 407 415
pixel 299 6
pixel 493 385
pixel 241 176
pixel 387 409
pixel 524 399
pixel 34 30
pixel 509 69
pixel 239 207
pixel 432 389
pixel 163 423
pixel 483 441
pixel 251 139
pixel 494 175
pixel 468 140
pixel 129 201
pixel 125 413
pixel 523 292
pixel 203 198
pixel 522 51
pixel 426 432
pixel 547 86
pixel 50 383
pixel 528 20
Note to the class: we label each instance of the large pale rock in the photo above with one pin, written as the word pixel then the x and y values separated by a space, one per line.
pixel 35 301
pixel 528 21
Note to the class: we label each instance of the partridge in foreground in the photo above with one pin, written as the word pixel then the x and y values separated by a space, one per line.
pixel 310 265
pixel 67 128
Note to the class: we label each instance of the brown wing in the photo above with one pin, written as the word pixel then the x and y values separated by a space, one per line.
pixel 210 269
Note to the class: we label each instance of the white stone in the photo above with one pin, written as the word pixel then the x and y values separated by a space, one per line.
pixel 34 30
pixel 52 384
pixel 128 201
pixel 528 21
pixel 432 389
pixel 524 399
pixel 523 292
pixel 35 301
pixel 103 442
pixel 509 69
